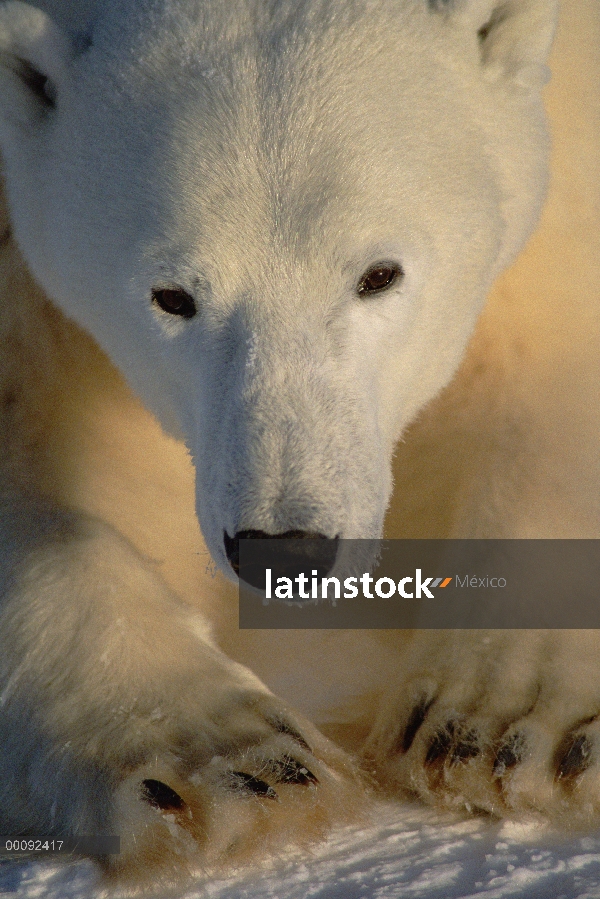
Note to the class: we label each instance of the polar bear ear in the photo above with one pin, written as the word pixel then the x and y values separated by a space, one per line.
pixel 514 36
pixel 34 55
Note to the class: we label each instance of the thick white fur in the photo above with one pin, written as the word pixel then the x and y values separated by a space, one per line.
pixel 185 148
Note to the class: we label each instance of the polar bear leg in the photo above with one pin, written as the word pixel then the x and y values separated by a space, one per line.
pixel 502 721
pixel 119 715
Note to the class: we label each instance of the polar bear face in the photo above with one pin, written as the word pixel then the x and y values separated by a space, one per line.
pixel 280 220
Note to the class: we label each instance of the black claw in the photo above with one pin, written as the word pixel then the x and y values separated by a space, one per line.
pixel 247 783
pixel 509 755
pixel 576 759
pixel 161 796
pixel 417 717
pixel 467 747
pixel 440 743
pixel 289 771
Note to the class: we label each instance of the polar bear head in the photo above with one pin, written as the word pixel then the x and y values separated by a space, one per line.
pixel 280 218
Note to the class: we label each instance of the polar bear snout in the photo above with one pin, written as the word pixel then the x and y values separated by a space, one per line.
pixel 308 552
pixel 294 449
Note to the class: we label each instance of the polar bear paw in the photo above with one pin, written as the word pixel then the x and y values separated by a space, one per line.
pixel 268 783
pixel 120 716
pixel 503 722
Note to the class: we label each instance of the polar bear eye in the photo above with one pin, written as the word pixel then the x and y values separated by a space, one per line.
pixel 175 301
pixel 379 277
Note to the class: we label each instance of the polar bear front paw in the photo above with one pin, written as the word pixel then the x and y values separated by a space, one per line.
pixel 503 722
pixel 266 783
pixel 121 716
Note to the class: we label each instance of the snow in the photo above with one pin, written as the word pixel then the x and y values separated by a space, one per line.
pixel 409 852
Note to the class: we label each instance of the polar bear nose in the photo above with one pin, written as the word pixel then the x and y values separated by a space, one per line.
pixel 304 552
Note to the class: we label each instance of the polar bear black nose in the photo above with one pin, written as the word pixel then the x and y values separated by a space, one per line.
pixel 303 551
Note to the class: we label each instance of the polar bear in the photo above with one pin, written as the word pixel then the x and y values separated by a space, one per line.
pixel 264 232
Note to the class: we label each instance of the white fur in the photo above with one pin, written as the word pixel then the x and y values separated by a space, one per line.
pixel 250 247
pixel 261 155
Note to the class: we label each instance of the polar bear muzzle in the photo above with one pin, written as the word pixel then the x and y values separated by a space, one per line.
pixel 303 551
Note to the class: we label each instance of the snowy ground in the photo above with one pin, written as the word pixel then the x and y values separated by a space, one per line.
pixel 408 853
